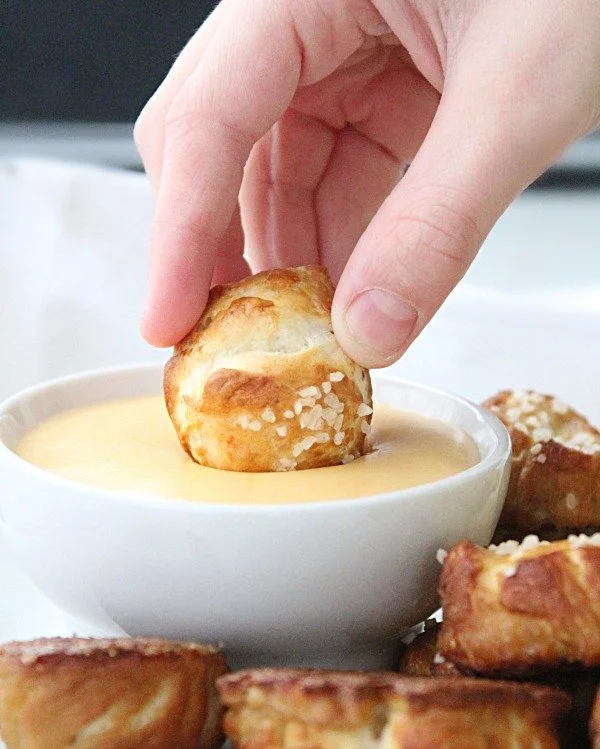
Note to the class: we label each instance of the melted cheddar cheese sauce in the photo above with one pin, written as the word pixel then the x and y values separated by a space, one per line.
pixel 130 446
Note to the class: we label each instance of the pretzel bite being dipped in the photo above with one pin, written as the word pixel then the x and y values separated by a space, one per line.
pixel 116 694
pixel 277 709
pixel 518 609
pixel 261 384
pixel 555 476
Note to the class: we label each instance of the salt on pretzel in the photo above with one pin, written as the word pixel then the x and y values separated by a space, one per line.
pixel 554 486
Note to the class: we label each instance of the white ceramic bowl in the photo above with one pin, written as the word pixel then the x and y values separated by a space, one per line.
pixel 330 584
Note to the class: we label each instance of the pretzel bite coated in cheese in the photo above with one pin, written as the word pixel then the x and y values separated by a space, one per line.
pixel 555 476
pixel 289 708
pixel 261 384
pixel 516 608
pixel 115 694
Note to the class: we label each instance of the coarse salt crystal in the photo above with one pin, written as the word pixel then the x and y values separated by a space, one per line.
pixel 326 387
pixel 578 541
pixel 338 438
pixel 285 464
pixel 365 427
pixel 536 449
pixel 441 555
pixel 337 424
pixel 590 449
pixel 364 410
pixel 529 542
pixel 332 401
pixel 310 392
pixel 255 425
pixel 347 458
pixel 268 415
pixel 281 430
pixel 321 438
pixel 541 458
pixel 505 547
pixel 308 442
pixel 288 414
pixel 571 501
pixel 510 571
pixel 330 415
pixel 583 540
pixel 541 435
pixel 559 407
pixel 315 419
pixel 336 377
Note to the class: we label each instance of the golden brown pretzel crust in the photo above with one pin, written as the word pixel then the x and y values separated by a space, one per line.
pixel 422 657
pixel 272 709
pixel 526 610
pixel 261 384
pixel 114 694
pixel 595 722
pixel 555 476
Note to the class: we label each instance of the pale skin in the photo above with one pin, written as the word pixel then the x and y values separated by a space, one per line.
pixel 295 119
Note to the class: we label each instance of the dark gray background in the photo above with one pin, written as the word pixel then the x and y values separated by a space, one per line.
pixel 88 60
pixel 98 61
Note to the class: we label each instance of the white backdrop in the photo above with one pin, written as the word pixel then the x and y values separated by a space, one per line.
pixel 73 245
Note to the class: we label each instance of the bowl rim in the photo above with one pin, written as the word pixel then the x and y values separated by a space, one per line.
pixel 499 454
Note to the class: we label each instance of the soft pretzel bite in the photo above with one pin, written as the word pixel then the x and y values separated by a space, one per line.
pixel 110 693
pixel 595 721
pixel 514 608
pixel 294 709
pixel 261 383
pixel 555 478
pixel 421 656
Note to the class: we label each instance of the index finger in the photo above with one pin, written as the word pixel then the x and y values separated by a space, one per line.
pixel 241 86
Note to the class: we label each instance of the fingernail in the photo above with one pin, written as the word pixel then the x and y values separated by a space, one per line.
pixel 378 319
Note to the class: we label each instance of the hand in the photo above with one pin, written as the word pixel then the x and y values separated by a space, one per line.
pixel 304 114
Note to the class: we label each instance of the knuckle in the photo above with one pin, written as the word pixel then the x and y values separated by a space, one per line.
pixel 180 115
pixel 188 115
pixel 439 229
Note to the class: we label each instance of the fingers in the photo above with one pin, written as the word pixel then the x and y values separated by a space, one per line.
pixel 260 52
pixel 389 122
pixel 278 193
pixel 228 102
pixel 511 103
pixel 230 264
pixel 149 131
pixel 315 181
pixel 477 157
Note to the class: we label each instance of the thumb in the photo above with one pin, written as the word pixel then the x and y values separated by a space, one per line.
pixel 480 152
